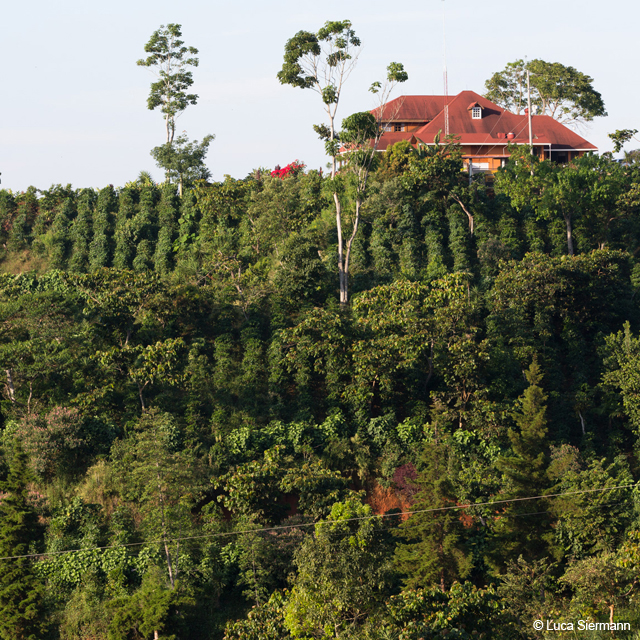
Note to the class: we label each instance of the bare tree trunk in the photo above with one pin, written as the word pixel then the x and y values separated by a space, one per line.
pixel 342 271
pixel 12 390
pixel 168 554
pixel 581 422
pixel 140 390
pixel 344 292
pixel 567 220
pixel 348 255
pixel 332 137
pixel 164 528
pixel 469 216
pixel 430 372
pixel 342 275
pixel 29 398
pixel 255 577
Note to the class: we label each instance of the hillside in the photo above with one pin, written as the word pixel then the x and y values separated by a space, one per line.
pixel 207 444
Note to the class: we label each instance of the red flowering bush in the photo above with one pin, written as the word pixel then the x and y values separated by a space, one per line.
pixel 292 169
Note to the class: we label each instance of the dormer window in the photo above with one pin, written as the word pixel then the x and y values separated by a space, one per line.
pixel 476 113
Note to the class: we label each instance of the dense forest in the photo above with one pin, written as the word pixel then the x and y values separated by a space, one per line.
pixel 198 440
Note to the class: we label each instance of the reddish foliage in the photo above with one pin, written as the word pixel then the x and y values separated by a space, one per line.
pixel 466 519
pixel 292 169
pixel 404 478
pixel 382 500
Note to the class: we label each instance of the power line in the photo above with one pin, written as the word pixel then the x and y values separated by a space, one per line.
pixel 583 515
pixel 313 524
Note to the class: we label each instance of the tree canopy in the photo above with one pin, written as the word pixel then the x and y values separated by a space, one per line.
pixel 559 91
pixel 167 59
pixel 183 161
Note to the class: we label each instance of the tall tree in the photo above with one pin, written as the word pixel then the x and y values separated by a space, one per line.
pixel 435 553
pixel 323 61
pixel 361 133
pixel 183 161
pixel 21 615
pixel 525 474
pixel 564 93
pixel 167 58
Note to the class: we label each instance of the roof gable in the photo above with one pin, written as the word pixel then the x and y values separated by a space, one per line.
pixel 498 123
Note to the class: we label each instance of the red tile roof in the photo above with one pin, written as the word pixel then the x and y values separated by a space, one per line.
pixel 411 109
pixel 491 130
pixel 391 137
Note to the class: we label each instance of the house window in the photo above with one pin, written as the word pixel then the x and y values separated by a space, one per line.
pixel 399 127
pixel 476 113
pixel 388 127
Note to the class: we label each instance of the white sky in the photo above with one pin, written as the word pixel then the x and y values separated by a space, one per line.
pixel 73 107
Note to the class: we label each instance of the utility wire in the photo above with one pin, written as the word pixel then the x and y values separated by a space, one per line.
pixel 583 515
pixel 313 524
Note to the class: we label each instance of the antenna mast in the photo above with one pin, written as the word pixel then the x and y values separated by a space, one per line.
pixel 446 80
pixel 529 111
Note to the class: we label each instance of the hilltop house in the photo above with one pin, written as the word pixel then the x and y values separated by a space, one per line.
pixel 484 129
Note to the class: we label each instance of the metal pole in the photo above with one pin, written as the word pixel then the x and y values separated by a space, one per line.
pixel 529 118
pixel 529 112
pixel 445 74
